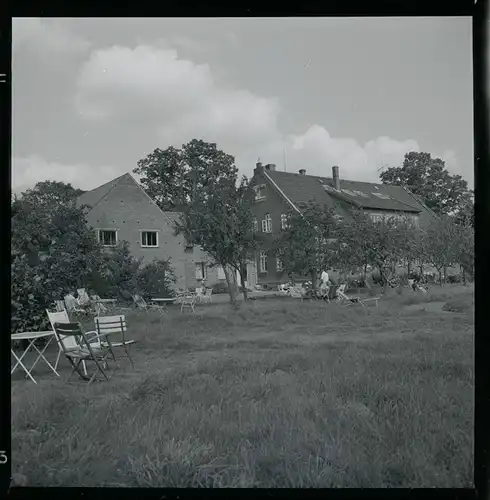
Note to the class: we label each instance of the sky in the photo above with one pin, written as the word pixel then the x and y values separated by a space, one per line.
pixel 91 97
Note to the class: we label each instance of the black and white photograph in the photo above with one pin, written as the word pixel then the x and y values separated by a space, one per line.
pixel 242 252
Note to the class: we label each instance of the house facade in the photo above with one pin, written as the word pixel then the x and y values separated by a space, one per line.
pixel 121 210
pixel 277 193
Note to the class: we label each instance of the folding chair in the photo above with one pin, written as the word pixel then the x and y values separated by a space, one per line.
pixel 141 303
pixel 99 307
pixel 83 298
pixel 70 342
pixel 206 295
pixel 60 305
pixel 296 292
pixel 188 300
pixel 114 325
pixel 84 350
pixel 72 305
pixel 348 301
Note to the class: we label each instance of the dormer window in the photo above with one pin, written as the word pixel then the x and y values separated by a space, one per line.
pixel 267 224
pixel 259 192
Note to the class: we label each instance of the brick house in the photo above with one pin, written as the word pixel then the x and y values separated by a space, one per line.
pixel 276 193
pixel 121 210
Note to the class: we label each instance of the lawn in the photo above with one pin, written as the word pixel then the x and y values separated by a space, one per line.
pixel 278 393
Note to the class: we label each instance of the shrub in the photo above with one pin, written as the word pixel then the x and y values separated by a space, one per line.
pixel 156 279
pixel 220 288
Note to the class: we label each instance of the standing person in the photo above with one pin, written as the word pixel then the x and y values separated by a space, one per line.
pixel 324 279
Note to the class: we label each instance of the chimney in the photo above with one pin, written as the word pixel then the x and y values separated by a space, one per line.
pixel 336 178
pixel 271 167
pixel 302 172
pixel 258 168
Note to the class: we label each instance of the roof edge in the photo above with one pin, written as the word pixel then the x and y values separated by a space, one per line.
pixel 280 191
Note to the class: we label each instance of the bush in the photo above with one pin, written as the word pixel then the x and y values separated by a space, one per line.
pixel 454 278
pixel 156 278
pixel 220 288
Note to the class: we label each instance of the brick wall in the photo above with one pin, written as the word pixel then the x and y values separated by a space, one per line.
pixel 274 205
pixel 129 211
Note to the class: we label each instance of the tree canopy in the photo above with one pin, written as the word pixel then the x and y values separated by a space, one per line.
pixel 173 176
pixel 429 179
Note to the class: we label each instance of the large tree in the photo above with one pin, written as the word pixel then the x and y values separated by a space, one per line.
pixel 173 177
pixel 52 253
pixel 221 222
pixel 429 179
pixel 308 246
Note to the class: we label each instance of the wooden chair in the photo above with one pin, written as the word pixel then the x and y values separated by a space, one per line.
pixel 117 327
pixel 70 342
pixel 83 351
pixel 296 292
pixel 348 300
pixel 141 303
pixel 72 305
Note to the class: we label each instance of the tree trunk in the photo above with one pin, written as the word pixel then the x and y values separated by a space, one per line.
pixel 421 269
pixel 313 282
pixel 364 274
pixel 409 266
pixel 445 274
pixel 242 279
pixel 463 275
pixel 231 284
pixel 440 276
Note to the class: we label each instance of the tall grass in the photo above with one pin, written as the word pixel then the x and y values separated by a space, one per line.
pixel 278 394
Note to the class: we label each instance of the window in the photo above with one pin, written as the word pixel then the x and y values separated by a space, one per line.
pixel 263 262
pixel 279 264
pixel 108 237
pixel 149 238
pixel 382 196
pixel 259 192
pixel 221 273
pixel 284 222
pixel 360 193
pixel 267 224
pixel 376 217
pixel 200 271
pixel 255 225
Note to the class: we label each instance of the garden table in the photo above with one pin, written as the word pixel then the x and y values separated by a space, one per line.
pixel 32 337
pixel 164 301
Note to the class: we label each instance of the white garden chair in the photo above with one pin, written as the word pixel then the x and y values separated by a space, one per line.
pixel 206 296
pixel 72 305
pixel 115 325
pixel 188 300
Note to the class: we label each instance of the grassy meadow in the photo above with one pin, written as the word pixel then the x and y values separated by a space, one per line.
pixel 277 393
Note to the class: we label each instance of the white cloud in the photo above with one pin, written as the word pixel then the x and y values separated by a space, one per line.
pixel 182 100
pixel 45 36
pixel 26 172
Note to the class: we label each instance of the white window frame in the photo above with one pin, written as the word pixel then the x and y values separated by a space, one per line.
pixel 258 192
pixel 267 224
pixel 112 230
pixel 279 264
pixel 202 269
pixel 149 231
pixel 262 261
pixel 221 273
pixel 284 222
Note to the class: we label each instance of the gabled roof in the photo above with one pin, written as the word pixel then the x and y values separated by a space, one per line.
pixel 301 189
pixel 95 196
